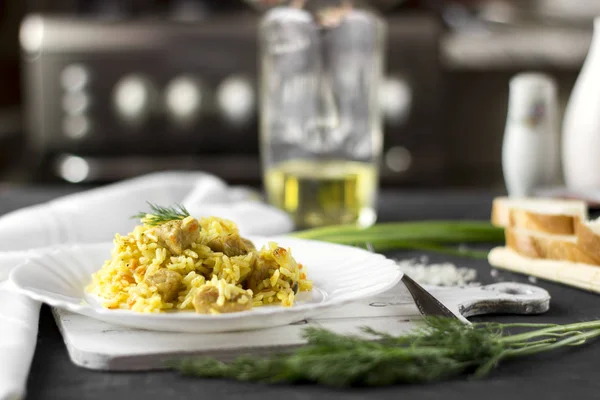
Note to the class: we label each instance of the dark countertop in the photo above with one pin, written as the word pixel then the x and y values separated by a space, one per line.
pixel 571 373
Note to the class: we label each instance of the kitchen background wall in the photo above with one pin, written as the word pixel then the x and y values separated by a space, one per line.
pixel 94 91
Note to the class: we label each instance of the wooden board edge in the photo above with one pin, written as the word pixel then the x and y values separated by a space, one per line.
pixel 581 276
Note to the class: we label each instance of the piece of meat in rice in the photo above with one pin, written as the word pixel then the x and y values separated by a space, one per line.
pixel 265 266
pixel 178 235
pixel 168 283
pixel 205 301
pixel 231 245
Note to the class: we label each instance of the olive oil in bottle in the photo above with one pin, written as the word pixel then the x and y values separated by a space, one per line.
pixel 317 193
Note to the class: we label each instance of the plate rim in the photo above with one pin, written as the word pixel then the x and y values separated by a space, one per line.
pixel 91 311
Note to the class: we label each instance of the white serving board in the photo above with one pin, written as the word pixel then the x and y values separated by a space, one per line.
pixel 99 345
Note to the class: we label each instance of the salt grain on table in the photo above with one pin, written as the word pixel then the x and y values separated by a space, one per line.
pixel 443 274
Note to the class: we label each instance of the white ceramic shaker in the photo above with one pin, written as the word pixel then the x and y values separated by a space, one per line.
pixel 531 146
pixel 581 127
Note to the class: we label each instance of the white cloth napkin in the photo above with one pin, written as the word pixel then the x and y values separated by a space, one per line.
pixel 95 216
pixel 19 327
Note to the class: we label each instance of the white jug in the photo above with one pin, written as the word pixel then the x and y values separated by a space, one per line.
pixel 581 127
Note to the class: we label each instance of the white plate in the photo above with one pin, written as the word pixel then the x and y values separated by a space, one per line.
pixel 340 274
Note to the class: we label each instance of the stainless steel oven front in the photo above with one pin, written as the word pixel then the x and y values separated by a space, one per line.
pixel 106 100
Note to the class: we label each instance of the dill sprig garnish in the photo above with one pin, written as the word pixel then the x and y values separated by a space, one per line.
pixel 160 215
pixel 442 349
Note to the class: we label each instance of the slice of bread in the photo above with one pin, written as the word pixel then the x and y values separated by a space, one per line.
pixel 534 244
pixel 588 238
pixel 550 216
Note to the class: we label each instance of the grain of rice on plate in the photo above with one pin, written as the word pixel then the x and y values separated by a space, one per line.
pixel 202 265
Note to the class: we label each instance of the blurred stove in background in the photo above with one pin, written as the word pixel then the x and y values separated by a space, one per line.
pixel 134 96
pixel 116 88
pixel 115 92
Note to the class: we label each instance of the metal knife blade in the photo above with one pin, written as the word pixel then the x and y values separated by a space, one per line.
pixel 426 303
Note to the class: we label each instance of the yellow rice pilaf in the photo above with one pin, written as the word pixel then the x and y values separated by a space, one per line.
pixel 200 268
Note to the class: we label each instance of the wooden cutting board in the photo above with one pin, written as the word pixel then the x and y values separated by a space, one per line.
pixel 98 345
pixel 582 276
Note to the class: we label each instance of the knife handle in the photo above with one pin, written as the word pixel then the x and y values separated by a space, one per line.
pixel 497 298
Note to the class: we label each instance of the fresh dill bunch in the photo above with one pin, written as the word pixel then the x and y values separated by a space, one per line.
pixel 160 215
pixel 441 349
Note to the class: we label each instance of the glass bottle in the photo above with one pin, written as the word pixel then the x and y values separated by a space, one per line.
pixel 321 64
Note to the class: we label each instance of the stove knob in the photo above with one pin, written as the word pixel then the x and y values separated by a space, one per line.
pixel 235 99
pixel 184 99
pixel 134 98
pixel 72 168
pixel 74 77
pixel 75 103
pixel 395 99
pixel 76 126
pixel 398 159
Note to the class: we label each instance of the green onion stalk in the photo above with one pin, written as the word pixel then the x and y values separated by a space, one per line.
pixel 435 236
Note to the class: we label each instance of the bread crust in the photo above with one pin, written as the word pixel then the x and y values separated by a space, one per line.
pixel 500 212
pixel 588 241
pixel 530 244
pixel 506 214
pixel 552 224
